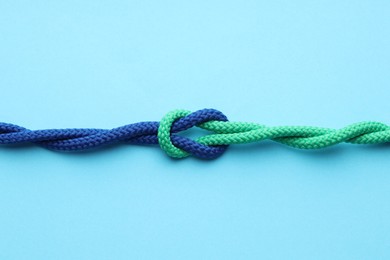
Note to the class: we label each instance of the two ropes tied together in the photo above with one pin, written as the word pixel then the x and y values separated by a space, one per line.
pixel 165 133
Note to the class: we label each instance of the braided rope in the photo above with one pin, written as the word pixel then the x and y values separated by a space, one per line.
pixel 224 133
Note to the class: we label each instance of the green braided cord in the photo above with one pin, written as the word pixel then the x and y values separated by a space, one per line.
pixel 303 137
pixel 164 133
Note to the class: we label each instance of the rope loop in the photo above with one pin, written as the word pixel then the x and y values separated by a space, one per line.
pixel 178 146
pixel 164 133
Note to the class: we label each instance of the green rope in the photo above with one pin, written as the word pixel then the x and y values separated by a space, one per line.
pixel 303 137
pixel 164 133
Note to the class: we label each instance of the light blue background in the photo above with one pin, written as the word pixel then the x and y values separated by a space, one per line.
pixel 110 63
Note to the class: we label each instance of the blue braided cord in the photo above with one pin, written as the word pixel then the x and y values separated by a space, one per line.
pixel 137 133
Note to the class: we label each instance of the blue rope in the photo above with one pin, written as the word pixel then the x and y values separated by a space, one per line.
pixel 138 133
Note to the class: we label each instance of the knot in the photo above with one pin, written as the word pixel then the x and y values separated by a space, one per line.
pixel 178 146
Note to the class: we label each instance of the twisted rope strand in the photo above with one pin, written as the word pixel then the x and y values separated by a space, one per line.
pixel 303 137
pixel 224 133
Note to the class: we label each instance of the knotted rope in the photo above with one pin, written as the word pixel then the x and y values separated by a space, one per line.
pixel 209 146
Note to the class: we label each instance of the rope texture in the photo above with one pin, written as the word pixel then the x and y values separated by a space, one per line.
pixel 224 133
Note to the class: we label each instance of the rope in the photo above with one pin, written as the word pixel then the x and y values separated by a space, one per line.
pixel 224 133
